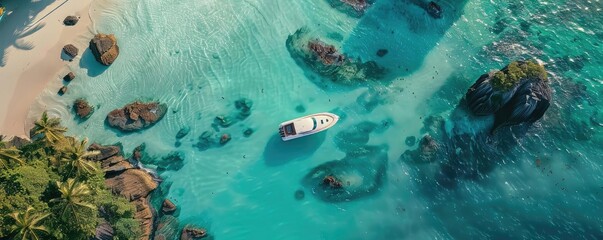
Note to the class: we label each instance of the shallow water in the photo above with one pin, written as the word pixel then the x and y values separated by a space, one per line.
pixel 199 57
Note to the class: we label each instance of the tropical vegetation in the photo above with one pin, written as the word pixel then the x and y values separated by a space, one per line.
pixel 515 71
pixel 50 189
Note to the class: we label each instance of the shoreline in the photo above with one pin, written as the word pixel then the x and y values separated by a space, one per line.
pixel 31 61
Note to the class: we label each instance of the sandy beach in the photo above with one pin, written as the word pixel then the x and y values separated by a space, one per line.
pixel 33 35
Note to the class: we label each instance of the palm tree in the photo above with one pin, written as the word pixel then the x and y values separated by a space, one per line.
pixel 72 197
pixel 50 128
pixel 8 155
pixel 26 225
pixel 76 157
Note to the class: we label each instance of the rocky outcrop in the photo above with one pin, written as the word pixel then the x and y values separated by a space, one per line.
pixel 167 228
pixel 63 90
pixel 103 231
pixel 136 116
pixel 82 108
pixel 327 61
pixel 69 76
pixel 518 93
pixel 434 9
pixel 70 50
pixel 71 20
pixel 183 132
pixel 105 49
pixel 354 8
pixel 168 207
pixel 130 182
pixel 191 233
pixel 14 141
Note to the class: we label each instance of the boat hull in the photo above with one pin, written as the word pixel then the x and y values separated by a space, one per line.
pixel 307 125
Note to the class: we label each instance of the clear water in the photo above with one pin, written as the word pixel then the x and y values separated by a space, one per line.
pixel 200 56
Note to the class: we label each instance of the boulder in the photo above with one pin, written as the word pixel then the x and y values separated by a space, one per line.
pixel 63 90
pixel 190 233
pixel 168 207
pixel 82 108
pixel 71 20
pixel 225 138
pixel 105 151
pixel 70 76
pixel 103 231
pixel 136 116
pixel 132 184
pixel 332 182
pixel 518 93
pixel 434 9
pixel 105 49
pixel 381 52
pixel 70 50
pixel 183 132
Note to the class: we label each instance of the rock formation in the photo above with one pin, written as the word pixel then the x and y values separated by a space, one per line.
pixel 136 116
pixel 82 109
pixel 62 90
pixel 518 93
pixel 183 132
pixel 130 182
pixel 327 61
pixel 105 49
pixel 354 8
pixel 70 50
pixel 168 207
pixel 71 20
pixel 191 233
pixel 70 76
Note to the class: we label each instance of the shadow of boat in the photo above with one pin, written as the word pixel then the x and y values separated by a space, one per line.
pixel 278 152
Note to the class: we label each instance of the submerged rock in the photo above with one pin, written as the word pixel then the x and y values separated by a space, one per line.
pixel 244 106
pixel 183 132
pixel 82 108
pixel 359 174
pixel 105 49
pixel 136 116
pixel 299 194
pixel 410 141
pixel 70 50
pixel 191 233
pixel 518 93
pixel 248 132
pixel 167 228
pixel 381 52
pixel 71 20
pixel 434 9
pixel 354 8
pixel 326 60
pixel 225 138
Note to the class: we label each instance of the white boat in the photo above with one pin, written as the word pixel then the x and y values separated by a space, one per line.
pixel 307 125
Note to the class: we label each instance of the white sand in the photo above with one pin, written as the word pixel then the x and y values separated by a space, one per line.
pixel 32 36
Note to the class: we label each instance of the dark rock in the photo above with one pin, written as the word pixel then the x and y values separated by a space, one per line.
pixel 183 132
pixel 191 233
pixel 300 108
pixel 138 152
pixel 63 90
pixel 132 184
pixel 248 132
pixel 299 194
pixel 244 106
pixel 71 20
pixel 136 116
pixel 15 141
pixel 354 8
pixel 105 49
pixel 518 93
pixel 82 108
pixel 168 207
pixel 223 121
pixel 105 151
pixel 332 182
pixel 381 52
pixel 225 138
pixel 434 9
pixel 410 141
pixel 103 231
pixel 70 76
pixel 428 148
pixel 70 50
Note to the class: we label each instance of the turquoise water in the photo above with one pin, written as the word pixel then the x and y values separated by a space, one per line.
pixel 199 57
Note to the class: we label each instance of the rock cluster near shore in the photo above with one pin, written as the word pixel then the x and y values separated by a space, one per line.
pixel 82 108
pixel 136 116
pixel 126 180
pixel 71 20
pixel 104 47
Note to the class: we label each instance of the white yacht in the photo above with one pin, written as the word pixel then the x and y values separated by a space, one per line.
pixel 307 125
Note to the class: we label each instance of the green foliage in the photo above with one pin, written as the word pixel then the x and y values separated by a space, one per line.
pixel 515 71
pixel 54 176
pixel 27 225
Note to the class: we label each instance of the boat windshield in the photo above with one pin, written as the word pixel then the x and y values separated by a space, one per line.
pixel 314 122
pixel 289 129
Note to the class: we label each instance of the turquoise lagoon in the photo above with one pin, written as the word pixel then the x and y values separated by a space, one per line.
pixel 199 57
